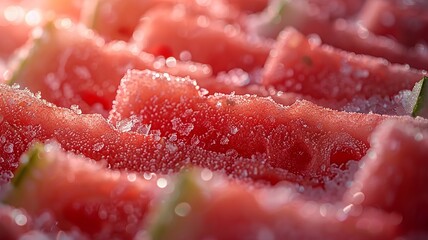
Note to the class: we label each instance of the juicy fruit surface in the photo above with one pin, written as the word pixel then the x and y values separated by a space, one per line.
pixel 403 22
pixel 113 203
pixel 325 72
pixel 341 33
pixel 110 204
pixel 183 32
pixel 117 20
pixel 394 163
pixel 63 65
pixel 93 137
pixel 177 109
pixel 256 139
pixel 230 213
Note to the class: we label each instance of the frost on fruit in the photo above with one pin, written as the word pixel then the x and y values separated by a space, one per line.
pixel 241 125
pixel 72 56
pixel 122 199
pixel 392 175
pixel 324 72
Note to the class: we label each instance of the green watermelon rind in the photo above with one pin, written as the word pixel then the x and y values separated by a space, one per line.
pixel 24 174
pixel 421 100
pixel 91 13
pixel 185 187
pixel 22 59
pixel 281 10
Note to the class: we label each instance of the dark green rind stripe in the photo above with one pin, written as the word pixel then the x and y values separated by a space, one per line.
pixel 422 98
pixel 23 61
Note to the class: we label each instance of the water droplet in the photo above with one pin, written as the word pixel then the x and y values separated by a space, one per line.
pixel 98 146
pixel 234 130
pixel 358 197
pixel 185 56
pixel 33 17
pixel 172 148
pixel 162 183
pixel 14 13
pixel 171 62
pixel 182 209
pixel 203 21
pixel 132 177
pixel 148 176
pixel 348 208
pixel 19 218
pixel 418 136
pixel 206 174
pixel 76 109
pixel 8 148
pixel 224 140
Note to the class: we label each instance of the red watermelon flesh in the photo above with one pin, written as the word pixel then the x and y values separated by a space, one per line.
pixel 342 34
pixel 18 18
pixel 64 62
pixel 14 222
pixel 176 109
pixel 339 8
pixel 117 20
pixel 81 194
pixel 303 65
pixel 200 39
pixel 209 207
pixel 13 29
pixel 361 41
pixel 394 174
pixel 48 8
pixel 249 6
pixel 25 119
pixel 64 8
pixel 240 82
pixel 17 223
pixel 407 23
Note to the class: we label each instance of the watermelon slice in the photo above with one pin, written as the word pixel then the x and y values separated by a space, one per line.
pixel 18 18
pixel 117 20
pixel 204 208
pixel 25 119
pixel 176 109
pixel 63 64
pixel 99 202
pixel 394 174
pixel 353 37
pixel 40 9
pixel 407 23
pixel 201 39
pixel 13 29
pixel 125 205
pixel 305 66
